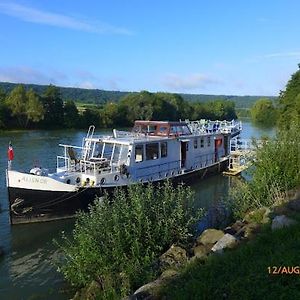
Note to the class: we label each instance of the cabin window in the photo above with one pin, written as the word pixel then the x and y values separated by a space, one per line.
pixel 163 149
pixel 202 142
pixel 163 130
pixel 116 153
pixel 195 143
pixel 124 154
pixel 107 151
pixel 151 151
pixel 151 128
pixel 139 155
pixel 208 141
pixel 98 150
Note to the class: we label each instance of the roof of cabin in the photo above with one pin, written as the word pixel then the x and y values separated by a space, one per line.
pixel 171 123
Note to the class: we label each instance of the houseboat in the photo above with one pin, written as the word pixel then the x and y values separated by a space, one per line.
pixel 151 152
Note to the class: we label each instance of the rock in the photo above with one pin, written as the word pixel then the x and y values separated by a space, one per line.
pixel 168 274
pixel 201 251
pixel 210 236
pixel 294 205
pixel 227 241
pixel 248 231
pixel 237 225
pixel 260 215
pixel 230 230
pixel 93 291
pixel 150 291
pixel 175 257
pixel 282 210
pixel 282 221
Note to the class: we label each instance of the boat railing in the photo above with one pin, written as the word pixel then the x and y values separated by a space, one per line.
pixel 208 126
pixel 245 144
pixel 68 161
pixel 126 134
pixel 97 166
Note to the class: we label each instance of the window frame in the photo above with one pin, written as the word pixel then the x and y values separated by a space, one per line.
pixel 135 153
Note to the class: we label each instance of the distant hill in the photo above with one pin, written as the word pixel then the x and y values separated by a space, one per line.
pixel 97 96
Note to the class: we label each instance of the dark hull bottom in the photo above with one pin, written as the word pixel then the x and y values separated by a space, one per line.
pixel 39 206
pixel 28 206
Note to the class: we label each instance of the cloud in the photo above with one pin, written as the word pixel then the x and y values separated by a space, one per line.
pixel 24 74
pixel 32 15
pixel 189 82
pixel 282 54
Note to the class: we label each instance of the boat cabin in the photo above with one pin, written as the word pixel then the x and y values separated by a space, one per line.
pixel 152 151
pixel 161 128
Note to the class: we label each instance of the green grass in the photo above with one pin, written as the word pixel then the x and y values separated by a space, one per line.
pixel 243 273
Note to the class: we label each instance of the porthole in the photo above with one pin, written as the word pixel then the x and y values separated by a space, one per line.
pixel 78 180
pixel 102 181
pixel 166 175
pixel 172 173
pixel 117 177
pixel 68 181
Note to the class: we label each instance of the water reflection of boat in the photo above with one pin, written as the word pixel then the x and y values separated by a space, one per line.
pixel 153 151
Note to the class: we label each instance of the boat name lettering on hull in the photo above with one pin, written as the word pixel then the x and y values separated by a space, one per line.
pixel 34 180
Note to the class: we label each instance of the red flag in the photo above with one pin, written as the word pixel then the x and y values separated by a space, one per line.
pixel 10 152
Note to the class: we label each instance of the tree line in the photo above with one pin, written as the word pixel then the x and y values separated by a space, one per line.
pixel 96 96
pixel 23 108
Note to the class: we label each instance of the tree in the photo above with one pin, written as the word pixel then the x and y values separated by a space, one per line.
pixel 71 116
pixel 4 112
pixel 109 115
pixel 17 102
pixel 53 106
pixel 263 112
pixel 288 102
pixel 89 117
pixel 34 107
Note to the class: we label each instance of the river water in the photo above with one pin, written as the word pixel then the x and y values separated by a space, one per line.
pixel 27 270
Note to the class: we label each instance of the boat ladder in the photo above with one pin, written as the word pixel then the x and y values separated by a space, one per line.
pixel 86 144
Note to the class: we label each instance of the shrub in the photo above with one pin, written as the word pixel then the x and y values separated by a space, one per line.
pixel 276 170
pixel 118 242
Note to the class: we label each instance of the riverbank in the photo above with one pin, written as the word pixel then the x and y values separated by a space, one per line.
pixel 260 260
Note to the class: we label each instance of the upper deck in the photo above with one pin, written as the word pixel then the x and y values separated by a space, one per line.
pixel 161 128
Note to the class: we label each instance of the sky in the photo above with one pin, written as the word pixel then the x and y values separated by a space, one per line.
pixel 226 47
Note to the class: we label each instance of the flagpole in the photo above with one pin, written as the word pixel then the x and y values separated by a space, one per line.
pixel 10 155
